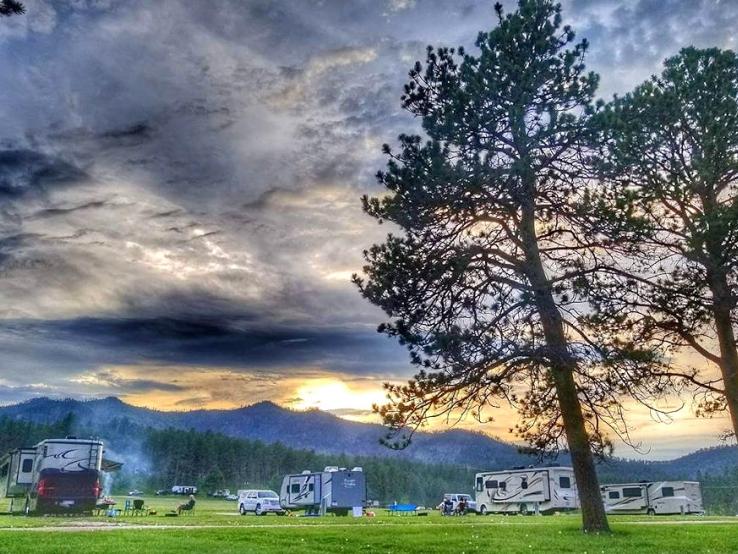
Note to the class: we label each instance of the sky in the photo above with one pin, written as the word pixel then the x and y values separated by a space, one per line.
pixel 180 185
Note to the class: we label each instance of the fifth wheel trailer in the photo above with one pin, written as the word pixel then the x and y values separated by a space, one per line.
pixel 56 475
pixel 541 490
pixel 336 490
pixel 653 497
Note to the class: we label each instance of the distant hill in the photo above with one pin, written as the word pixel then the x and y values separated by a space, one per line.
pixel 269 423
pixel 326 433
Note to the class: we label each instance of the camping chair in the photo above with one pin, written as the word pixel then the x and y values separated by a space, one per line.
pixel 138 508
pixel 185 509
pixel 128 508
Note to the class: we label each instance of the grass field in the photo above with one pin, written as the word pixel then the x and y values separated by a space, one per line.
pixel 216 527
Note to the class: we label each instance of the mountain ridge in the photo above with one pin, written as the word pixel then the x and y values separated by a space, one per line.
pixel 327 433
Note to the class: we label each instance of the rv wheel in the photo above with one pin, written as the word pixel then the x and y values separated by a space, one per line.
pixel 242 510
pixel 651 512
pixel 483 510
pixel 523 509
pixel 258 511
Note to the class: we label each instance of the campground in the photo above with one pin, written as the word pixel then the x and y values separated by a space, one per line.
pixel 215 526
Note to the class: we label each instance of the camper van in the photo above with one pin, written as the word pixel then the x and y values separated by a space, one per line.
pixel 56 475
pixel 653 497
pixel 336 490
pixel 541 490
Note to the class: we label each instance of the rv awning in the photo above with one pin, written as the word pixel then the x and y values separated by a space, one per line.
pixel 110 465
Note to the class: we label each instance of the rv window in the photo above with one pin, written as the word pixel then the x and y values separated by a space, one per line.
pixel 311 487
pixel 524 483
pixel 564 482
pixel 27 466
pixel 480 484
pixel 491 484
pixel 295 488
pixel 667 491
pixel 632 492
pixel 503 485
pixel 613 495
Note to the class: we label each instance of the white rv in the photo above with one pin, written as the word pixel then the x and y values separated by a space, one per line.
pixel 539 490
pixel 55 475
pixel 184 489
pixel 336 490
pixel 653 497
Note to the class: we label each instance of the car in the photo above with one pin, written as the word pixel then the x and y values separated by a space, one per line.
pixel 232 497
pixel 260 502
pixel 135 492
pixel 162 492
pixel 471 505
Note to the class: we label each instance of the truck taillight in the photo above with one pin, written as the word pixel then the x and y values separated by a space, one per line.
pixel 44 488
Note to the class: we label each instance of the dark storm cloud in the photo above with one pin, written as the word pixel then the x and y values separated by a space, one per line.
pixel 26 172
pixel 181 180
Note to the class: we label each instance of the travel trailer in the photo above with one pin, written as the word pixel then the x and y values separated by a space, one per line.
pixel 56 475
pixel 184 489
pixel 653 497
pixel 540 490
pixel 336 490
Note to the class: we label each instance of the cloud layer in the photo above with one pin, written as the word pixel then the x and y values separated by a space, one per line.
pixel 179 181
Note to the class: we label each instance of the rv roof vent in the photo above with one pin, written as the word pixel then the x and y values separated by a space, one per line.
pixel 643 481
pixel 304 471
pixel 554 465
pixel 357 468
pixel 519 467
pixel 331 468
pixel 70 437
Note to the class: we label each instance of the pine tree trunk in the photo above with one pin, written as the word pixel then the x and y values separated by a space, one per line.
pixel 722 303
pixel 594 519
pixel 722 306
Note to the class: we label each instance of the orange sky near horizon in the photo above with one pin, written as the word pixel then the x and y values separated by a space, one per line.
pixel 351 397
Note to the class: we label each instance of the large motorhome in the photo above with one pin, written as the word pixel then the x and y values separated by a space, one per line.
pixel 336 490
pixel 56 475
pixel 653 497
pixel 539 490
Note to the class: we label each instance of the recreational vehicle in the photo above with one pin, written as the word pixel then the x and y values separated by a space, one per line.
pixel 184 489
pixel 541 490
pixel 56 475
pixel 653 497
pixel 336 490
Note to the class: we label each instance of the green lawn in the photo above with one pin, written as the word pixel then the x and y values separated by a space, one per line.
pixel 215 527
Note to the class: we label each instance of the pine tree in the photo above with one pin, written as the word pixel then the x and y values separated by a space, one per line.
pixel 11 7
pixel 484 283
pixel 668 162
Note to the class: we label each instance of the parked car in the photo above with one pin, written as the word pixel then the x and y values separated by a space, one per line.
pixel 232 497
pixel 162 492
pixel 135 492
pixel 260 502
pixel 471 505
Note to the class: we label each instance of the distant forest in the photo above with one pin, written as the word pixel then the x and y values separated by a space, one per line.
pixel 211 461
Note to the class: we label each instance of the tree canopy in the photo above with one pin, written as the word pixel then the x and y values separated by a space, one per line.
pixel 484 284
pixel 11 7
pixel 668 164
